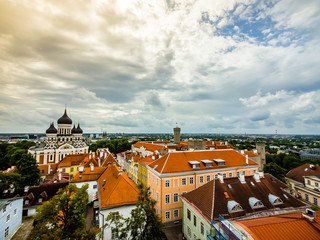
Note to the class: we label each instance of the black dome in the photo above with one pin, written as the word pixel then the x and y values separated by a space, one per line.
pixel 77 130
pixel 51 129
pixel 65 119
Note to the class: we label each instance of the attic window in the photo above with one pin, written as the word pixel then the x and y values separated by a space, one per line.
pixel 229 186
pixel 40 200
pixel 255 203
pixel 274 200
pixel 220 162
pixel 104 182
pixel 194 164
pixel 233 207
pixel 207 163
pixel 252 183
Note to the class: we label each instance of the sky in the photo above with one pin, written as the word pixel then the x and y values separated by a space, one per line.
pixel 136 66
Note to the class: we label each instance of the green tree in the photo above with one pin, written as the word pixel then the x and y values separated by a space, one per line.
pixel 28 168
pixel 63 217
pixel 9 181
pixel 275 170
pixel 144 222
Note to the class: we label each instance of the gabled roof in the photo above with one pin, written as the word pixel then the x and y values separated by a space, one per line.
pixel 218 195
pixel 72 160
pixel 116 189
pixel 149 146
pixel 287 226
pixel 87 162
pixel 303 170
pixel 179 161
pixel 108 160
pixel 147 160
pixel 88 175
pixel 44 168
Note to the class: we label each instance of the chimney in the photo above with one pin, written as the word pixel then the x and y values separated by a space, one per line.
pixel 261 174
pixel 99 162
pixel 313 167
pixel 59 176
pixel 242 152
pixel 49 168
pixel 114 164
pixel 119 172
pixel 242 179
pixel 226 143
pixel 247 160
pixel 91 167
pixel 256 176
pixel 101 154
pixel 309 214
pixel 153 157
pixel 220 177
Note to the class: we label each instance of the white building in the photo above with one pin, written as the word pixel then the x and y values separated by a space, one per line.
pixel 60 142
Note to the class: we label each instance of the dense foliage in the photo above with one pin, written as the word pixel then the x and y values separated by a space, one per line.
pixel 63 217
pixel 28 168
pixel 115 146
pixel 144 222
pixel 9 181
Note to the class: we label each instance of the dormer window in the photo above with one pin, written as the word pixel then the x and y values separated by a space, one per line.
pixel 274 200
pixel 207 163
pixel 220 162
pixel 26 202
pixel 255 203
pixel 194 164
pixel 40 200
pixel 233 207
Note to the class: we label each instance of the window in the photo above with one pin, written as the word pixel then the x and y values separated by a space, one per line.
pixel 216 176
pixel 176 213
pixel 167 183
pixel 167 198
pixel 114 233
pixel 116 216
pixel 63 170
pixel 208 178
pixel 152 192
pixel 189 231
pixel 188 214
pixel 238 174
pixel 191 180
pixel 194 220
pixel 201 179
pixel 4 209
pixel 202 228
pixel 176 197
pixel 309 183
pixel 243 172
pixel 224 175
pixel 8 218
pixel 40 200
pixel 15 212
pixel 230 174
pixel 315 201
pixel 316 184
pixel 6 232
pixel 157 197
pixel 152 178
pixel 167 215
pixel 71 170
pixel 157 181
pixel 95 186
pixel 26 201
pixel 149 175
pixel 184 181
pixel 307 197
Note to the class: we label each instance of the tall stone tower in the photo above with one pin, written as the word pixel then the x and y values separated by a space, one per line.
pixel 176 133
pixel 261 148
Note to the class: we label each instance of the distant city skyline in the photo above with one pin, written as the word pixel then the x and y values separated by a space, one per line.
pixel 134 66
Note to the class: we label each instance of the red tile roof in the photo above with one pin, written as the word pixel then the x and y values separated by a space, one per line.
pixel 149 146
pixel 116 189
pixel 72 160
pixel 44 168
pixel 147 160
pixel 286 227
pixel 179 161
pixel 304 170
pixel 89 175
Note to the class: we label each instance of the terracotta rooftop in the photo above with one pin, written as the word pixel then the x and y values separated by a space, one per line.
pixel 251 153
pixel 44 168
pixel 89 175
pixel 116 189
pixel 149 146
pixel 179 161
pixel 303 170
pixel 148 160
pixel 286 227
pixel 72 160
pixel 233 190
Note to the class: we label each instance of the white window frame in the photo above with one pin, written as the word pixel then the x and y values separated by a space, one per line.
pixel 6 232
pixel 168 215
pixel 8 218
pixel 167 184
pixel 167 196
pixel 208 178
pixel 191 180
pixel 157 182
pixel 185 182
pixel 176 213
pixel 176 195
pixel 201 179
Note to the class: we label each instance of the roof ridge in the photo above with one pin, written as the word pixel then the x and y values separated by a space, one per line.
pixel 165 163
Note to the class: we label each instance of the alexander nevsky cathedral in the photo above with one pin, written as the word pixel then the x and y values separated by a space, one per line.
pixel 60 142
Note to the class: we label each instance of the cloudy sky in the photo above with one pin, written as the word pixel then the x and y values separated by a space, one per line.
pixel 236 66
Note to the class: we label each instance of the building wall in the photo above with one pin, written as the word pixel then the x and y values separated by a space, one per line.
pixel 157 184
pixel 123 210
pixel 191 226
pixel 92 189
pixel 15 218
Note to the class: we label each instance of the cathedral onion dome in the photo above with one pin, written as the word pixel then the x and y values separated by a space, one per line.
pixel 77 130
pixel 65 119
pixel 74 130
pixel 52 129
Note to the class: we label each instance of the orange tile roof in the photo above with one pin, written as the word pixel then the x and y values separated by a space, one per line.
pixel 149 146
pixel 115 189
pixel 45 168
pixel 108 160
pixel 72 160
pixel 87 175
pixel 147 160
pixel 251 153
pixel 179 161
pixel 288 226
